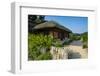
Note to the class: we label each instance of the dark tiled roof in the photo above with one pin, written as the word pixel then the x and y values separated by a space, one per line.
pixel 50 24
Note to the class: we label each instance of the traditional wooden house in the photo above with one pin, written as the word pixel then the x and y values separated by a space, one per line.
pixel 52 28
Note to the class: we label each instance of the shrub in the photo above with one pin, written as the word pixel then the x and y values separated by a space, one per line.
pixel 67 41
pixel 45 56
pixel 57 43
pixel 85 45
pixel 35 43
pixel 84 39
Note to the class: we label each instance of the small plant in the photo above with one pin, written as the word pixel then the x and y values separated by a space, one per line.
pixel 85 45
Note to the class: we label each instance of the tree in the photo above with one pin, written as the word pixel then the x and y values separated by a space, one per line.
pixel 33 20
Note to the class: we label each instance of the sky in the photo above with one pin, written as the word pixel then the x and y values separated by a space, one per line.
pixel 76 24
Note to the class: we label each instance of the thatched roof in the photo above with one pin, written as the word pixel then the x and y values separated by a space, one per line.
pixel 50 24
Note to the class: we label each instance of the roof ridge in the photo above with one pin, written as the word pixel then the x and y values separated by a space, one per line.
pixel 53 24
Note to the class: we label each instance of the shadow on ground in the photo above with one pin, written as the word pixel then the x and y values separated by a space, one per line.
pixel 74 55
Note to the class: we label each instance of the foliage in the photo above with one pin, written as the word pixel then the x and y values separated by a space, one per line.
pixel 45 56
pixel 36 19
pixel 57 43
pixel 35 43
pixel 84 39
pixel 85 45
pixel 67 41
pixel 74 36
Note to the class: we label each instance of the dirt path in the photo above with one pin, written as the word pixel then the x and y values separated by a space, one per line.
pixel 76 47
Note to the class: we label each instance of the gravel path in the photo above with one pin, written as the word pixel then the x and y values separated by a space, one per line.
pixel 77 49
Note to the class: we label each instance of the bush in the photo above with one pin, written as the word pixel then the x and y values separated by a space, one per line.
pixel 85 45
pixel 45 56
pixel 67 41
pixel 35 43
pixel 57 43
pixel 84 39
